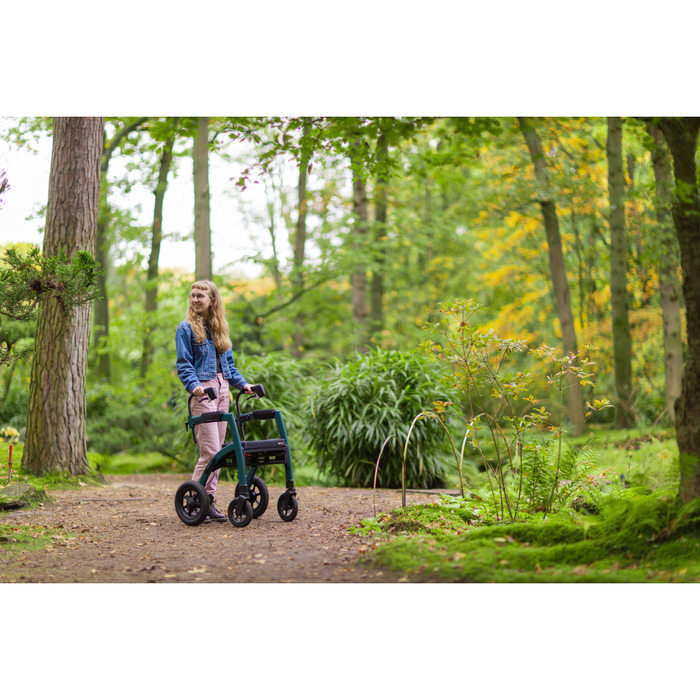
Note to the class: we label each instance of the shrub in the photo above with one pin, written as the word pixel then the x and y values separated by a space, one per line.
pixel 354 409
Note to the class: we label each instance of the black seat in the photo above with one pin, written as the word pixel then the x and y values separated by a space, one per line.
pixel 275 445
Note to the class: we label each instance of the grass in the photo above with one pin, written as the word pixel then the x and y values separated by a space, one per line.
pixel 17 538
pixel 429 543
pixel 640 535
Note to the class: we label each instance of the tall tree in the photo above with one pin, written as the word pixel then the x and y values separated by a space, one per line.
pixel 200 175
pixel 380 235
pixel 300 233
pixel 557 267
pixel 668 270
pixel 619 299
pixel 156 238
pixel 101 320
pixel 56 432
pixel 360 311
pixel 681 135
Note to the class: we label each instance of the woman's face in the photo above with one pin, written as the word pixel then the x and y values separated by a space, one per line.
pixel 200 301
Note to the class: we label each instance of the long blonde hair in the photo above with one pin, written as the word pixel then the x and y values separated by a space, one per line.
pixel 216 322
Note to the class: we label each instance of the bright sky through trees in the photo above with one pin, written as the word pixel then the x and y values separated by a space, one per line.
pixel 28 174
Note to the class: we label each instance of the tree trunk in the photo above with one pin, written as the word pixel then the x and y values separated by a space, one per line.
pixel 619 300
pixel 359 276
pixel 152 279
pixel 56 434
pixel 101 305
pixel 668 272
pixel 101 320
pixel 202 231
pixel 300 237
pixel 380 237
pixel 557 269
pixel 682 137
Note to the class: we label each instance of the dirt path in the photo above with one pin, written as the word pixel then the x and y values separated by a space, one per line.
pixel 128 531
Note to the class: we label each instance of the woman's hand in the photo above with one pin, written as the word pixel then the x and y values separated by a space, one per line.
pixel 248 389
pixel 198 391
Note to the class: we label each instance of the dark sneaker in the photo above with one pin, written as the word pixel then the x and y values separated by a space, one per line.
pixel 214 514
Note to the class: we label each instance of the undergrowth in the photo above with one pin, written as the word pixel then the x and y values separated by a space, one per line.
pixel 636 536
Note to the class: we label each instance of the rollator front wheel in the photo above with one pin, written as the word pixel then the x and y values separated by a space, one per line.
pixel 239 514
pixel 259 496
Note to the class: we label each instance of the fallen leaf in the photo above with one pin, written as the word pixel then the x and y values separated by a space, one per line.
pixel 197 571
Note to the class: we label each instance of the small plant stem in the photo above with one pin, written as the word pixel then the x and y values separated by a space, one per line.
pixel 459 464
pixel 556 472
pixel 376 469
pixel 403 466
pixel 520 485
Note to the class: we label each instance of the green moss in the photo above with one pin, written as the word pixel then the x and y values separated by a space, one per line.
pixel 15 538
pixel 637 537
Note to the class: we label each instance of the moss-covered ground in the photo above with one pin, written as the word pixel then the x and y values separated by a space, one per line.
pixel 639 534
pixel 638 539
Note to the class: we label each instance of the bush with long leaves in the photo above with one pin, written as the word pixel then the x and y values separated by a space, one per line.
pixel 360 404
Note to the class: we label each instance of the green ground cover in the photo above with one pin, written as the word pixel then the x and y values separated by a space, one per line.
pixel 635 532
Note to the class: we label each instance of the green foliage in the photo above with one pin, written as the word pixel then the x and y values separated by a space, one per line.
pixel 360 404
pixel 30 279
pixel 636 537
pixel 529 474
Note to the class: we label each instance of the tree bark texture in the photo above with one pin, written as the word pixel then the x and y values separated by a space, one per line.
pixel 300 237
pixel 101 305
pixel 56 434
pixel 380 237
pixel 682 138
pixel 619 299
pixel 156 237
pixel 668 271
pixel 360 311
pixel 200 175
pixel 557 268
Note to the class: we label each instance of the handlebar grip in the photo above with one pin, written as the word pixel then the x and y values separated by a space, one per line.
pixel 259 389
pixel 210 391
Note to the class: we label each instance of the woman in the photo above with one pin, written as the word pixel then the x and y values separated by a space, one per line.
pixel 204 359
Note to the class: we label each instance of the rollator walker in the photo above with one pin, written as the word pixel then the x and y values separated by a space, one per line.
pixel 246 456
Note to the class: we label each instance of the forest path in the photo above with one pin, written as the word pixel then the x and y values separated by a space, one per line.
pixel 127 531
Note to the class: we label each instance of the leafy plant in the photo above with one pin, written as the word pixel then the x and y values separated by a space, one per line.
pixel 354 409
pixel 504 423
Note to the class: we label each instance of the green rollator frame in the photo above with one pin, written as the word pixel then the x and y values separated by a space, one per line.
pixel 246 456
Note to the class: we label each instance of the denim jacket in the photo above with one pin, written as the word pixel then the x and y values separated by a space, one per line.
pixel 196 362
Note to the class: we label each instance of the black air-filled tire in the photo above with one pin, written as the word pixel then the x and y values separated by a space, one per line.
pixel 244 518
pixel 259 496
pixel 191 503
pixel 287 507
